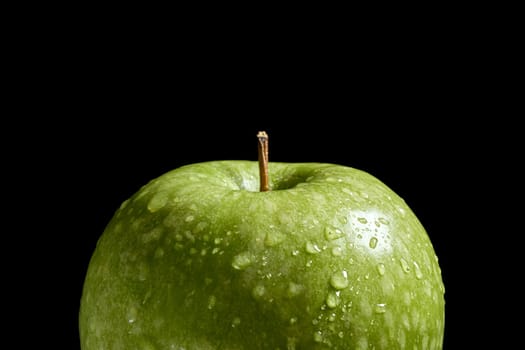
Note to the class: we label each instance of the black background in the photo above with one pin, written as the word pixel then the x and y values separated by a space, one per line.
pixel 99 114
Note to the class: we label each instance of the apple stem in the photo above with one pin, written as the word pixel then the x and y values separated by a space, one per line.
pixel 262 136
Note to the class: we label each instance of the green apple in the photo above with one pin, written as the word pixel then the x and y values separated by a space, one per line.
pixel 328 258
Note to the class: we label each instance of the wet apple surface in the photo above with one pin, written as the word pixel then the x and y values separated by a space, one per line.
pixel 199 258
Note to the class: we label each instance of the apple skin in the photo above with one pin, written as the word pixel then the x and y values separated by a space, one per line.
pixel 330 258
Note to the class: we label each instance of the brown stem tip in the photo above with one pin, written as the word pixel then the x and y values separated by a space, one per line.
pixel 262 136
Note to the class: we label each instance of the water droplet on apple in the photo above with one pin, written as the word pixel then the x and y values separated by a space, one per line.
pixel 381 268
pixel 241 261
pixel 404 265
pixel 332 299
pixel 340 334
pixel 417 270
pixel 309 263
pixel 362 344
pixel 158 202
pixel 332 233
pixel 337 251
pixel 383 221
pixel 236 321
pixel 339 280
pixel 312 248
pixel 362 220
pixel 364 195
pixel 124 204
pixel 380 308
pixel 189 236
pixel 153 235
pixel 200 226
pixel 132 314
pixel 295 252
pixel 373 242
pixel 294 289
pixel 291 343
pixel 273 239
pixel 258 291
pixel 211 302
pixel 189 218
pixel 332 317
pixel 318 337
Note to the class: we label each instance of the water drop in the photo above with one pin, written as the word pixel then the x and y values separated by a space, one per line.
pixel 332 300
pixel 124 204
pixel 381 268
pixel 340 334
pixel 404 265
pixel 273 239
pixel 343 220
pixel 132 314
pixel 189 236
pixel 339 280
pixel 294 289
pixel 215 250
pixel 236 321
pixel 380 308
pixel 157 202
pixel 291 343
pixel 363 195
pixel 189 218
pixel 153 235
pixel 373 242
pixel 211 302
pixel 318 337
pixel 332 233
pixel 309 263
pixel 362 220
pixel 383 221
pixel 258 291
pixel 200 226
pixel 295 252
pixel 312 248
pixel 293 320
pixel 241 261
pixel 417 269
pixel 337 251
